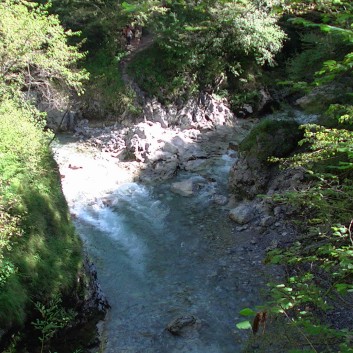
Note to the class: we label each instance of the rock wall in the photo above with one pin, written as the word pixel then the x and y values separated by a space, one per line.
pixel 204 112
pixel 169 138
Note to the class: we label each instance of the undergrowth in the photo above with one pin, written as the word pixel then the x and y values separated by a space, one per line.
pixel 310 310
pixel 164 79
pixel 107 87
pixel 40 253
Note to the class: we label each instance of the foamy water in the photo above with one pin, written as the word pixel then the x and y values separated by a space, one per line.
pixel 159 255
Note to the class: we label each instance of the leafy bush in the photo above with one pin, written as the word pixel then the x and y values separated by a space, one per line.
pixel 316 49
pixel 52 318
pixel 209 46
pixel 314 299
pixel 35 54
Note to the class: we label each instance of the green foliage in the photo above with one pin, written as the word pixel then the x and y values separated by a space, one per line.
pixel 34 52
pixel 320 45
pixel 40 255
pixel 329 148
pixel 142 11
pixel 97 21
pixel 106 83
pixel 247 312
pixel 248 29
pixel 244 325
pixel 316 49
pixel 330 55
pixel 207 46
pixel 319 263
pixel 271 138
pixel 6 271
pixel 158 77
pixel 306 293
pixel 53 317
pixel 329 9
pixel 39 251
pixel 238 99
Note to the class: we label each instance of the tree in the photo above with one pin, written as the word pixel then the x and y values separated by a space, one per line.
pixel 34 54
pixel 208 43
pixel 40 254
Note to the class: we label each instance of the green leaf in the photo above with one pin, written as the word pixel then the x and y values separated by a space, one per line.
pixel 247 312
pixel 244 325
pixel 128 7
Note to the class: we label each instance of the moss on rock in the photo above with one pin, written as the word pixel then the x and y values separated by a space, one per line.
pixel 271 138
pixel 252 172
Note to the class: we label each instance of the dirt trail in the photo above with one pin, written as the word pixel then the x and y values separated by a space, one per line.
pixel 135 47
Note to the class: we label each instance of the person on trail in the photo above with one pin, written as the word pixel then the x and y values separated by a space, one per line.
pixel 138 34
pixel 128 34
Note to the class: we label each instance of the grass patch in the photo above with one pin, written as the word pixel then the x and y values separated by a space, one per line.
pixel 107 87
pixel 40 253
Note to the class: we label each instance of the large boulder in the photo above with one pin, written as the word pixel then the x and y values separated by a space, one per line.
pixel 319 99
pixel 164 151
pixel 248 177
pixel 188 187
pixel 243 213
pixel 251 173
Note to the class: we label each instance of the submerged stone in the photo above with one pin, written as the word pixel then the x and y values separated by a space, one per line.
pixel 176 326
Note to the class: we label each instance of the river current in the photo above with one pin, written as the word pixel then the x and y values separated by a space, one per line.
pixel 160 256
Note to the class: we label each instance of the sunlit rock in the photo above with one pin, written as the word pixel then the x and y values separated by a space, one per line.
pixel 183 188
pixel 242 214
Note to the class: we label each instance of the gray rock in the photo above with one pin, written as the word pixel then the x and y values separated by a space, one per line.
pixel 195 165
pixel 183 188
pixel 169 147
pixel 165 169
pixel 320 97
pixel 248 108
pixel 176 326
pixel 220 200
pixel 266 221
pixel 242 214
pixel 248 177
pixel 159 155
pixel 204 113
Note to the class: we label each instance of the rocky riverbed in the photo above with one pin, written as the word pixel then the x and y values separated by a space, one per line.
pixel 154 175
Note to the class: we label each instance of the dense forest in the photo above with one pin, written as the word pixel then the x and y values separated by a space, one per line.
pixel 67 54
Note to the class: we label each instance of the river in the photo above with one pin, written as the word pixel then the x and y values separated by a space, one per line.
pixel 160 256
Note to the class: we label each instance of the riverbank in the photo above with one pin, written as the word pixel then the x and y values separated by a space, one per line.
pixel 44 283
